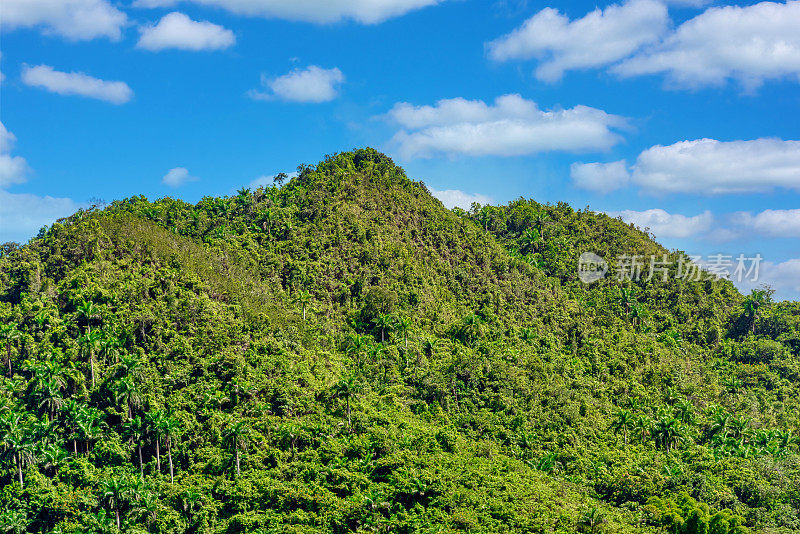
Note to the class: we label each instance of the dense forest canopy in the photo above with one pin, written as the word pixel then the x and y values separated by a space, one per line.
pixel 341 353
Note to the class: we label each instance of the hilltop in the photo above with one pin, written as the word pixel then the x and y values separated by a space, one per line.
pixel 344 354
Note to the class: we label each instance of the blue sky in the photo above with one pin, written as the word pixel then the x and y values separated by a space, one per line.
pixel 681 116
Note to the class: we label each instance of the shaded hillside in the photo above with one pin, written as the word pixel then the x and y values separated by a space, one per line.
pixel 344 354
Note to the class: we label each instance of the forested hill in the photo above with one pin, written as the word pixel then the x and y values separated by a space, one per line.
pixel 343 354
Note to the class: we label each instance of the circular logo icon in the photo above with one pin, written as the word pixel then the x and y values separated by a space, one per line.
pixel 591 267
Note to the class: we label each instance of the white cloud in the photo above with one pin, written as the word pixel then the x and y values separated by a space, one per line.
pixel 511 126
pixel 599 38
pixel 600 177
pixel 708 166
pixel 12 168
pixel 22 215
pixel 73 19
pixel 176 30
pixel 750 44
pixel 663 224
pixel 452 198
pixel 770 223
pixel 783 277
pixel 317 11
pixel 311 84
pixel 76 83
pixel 177 177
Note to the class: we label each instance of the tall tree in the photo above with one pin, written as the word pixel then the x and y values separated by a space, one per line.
pixel 403 324
pixel 303 298
pixel 115 490
pixel 237 437
pixel 155 428
pixel 622 422
pixel 8 335
pixel 169 431
pixel 346 389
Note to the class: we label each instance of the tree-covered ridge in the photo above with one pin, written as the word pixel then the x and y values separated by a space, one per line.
pixel 343 354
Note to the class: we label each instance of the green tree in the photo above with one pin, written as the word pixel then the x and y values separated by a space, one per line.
pixel 346 389
pixel 403 324
pixel 592 520
pixel 9 334
pixel 754 304
pixel 237 437
pixel 622 423
pixel 667 432
pixel 303 298
pixel 115 490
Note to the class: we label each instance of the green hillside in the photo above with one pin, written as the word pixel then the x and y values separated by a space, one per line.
pixel 344 354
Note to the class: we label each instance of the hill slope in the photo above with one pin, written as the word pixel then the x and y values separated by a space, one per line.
pixel 344 354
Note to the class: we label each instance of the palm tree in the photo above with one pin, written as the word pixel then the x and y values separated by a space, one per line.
pixel 384 321
pixel 71 410
pixel 127 395
pixel 667 432
pixel 155 425
pixel 592 520
pixel 15 443
pixel 89 342
pixel 347 389
pixel 627 298
pixel 684 411
pixel 540 220
pixel 135 429
pixel 169 431
pixel 49 397
pixel 110 346
pixel 720 424
pixel 530 238
pixel 303 298
pixel 403 324
pixel 643 425
pixel 758 299
pixel 148 505
pixel 236 438
pixel 623 421
pixel 89 425
pixel 8 335
pixel 87 311
pixel 739 426
pixel 115 490
pixel 54 457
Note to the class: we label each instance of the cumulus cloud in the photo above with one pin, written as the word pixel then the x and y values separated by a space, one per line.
pixel 708 166
pixel 316 11
pixel 750 44
pixel 769 223
pixel 600 177
pixel 75 20
pixel 600 38
pixel 12 168
pixel 783 277
pixel 177 177
pixel 663 224
pixel 452 198
pixel 511 126
pixel 22 215
pixel 176 30
pixel 76 83
pixel 311 84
